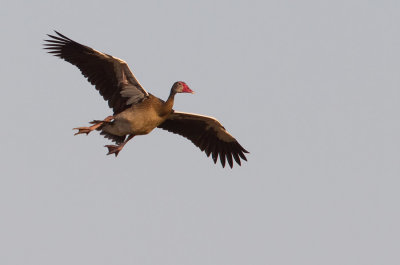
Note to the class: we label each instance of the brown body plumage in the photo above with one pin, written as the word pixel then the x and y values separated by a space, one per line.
pixel 141 118
pixel 137 112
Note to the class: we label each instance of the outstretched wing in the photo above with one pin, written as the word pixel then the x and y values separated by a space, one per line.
pixel 207 134
pixel 111 76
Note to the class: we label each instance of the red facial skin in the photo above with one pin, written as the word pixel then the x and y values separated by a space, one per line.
pixel 186 89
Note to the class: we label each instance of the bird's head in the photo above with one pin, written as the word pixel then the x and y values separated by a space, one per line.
pixel 181 87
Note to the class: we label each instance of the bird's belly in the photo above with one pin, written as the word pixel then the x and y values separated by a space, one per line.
pixel 135 122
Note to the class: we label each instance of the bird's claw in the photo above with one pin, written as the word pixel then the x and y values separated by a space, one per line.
pixel 113 149
pixel 86 130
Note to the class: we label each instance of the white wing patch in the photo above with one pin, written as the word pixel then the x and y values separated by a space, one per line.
pixel 131 92
pixel 130 87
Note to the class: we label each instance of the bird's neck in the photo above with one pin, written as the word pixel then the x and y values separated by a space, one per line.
pixel 167 108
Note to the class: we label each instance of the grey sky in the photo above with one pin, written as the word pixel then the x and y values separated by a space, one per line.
pixel 310 88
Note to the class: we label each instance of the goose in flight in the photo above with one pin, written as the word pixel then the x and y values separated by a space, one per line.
pixel 137 112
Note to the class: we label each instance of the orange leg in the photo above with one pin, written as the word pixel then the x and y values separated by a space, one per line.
pixel 96 124
pixel 115 149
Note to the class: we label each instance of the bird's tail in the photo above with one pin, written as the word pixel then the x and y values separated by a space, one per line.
pixel 115 138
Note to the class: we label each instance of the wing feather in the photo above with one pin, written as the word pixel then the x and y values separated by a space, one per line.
pixel 110 75
pixel 208 134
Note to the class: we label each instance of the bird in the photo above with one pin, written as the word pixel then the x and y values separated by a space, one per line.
pixel 137 112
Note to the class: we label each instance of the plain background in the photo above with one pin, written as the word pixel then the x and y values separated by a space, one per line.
pixel 310 88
